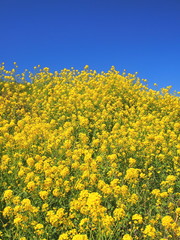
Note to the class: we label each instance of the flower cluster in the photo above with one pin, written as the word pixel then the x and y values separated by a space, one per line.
pixel 87 155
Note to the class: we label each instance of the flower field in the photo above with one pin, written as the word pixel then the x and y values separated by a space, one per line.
pixel 88 156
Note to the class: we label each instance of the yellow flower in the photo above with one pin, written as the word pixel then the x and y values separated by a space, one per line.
pixel 171 206
pixel 94 199
pixel 164 194
pixel 86 67
pixel 132 162
pixel 17 209
pixel 63 236
pixel 48 182
pixel 107 222
pixel 137 218
pixel 156 192
pixel 60 213
pixel 7 212
pixel 30 162
pixel 167 221
pixel 39 228
pixel 56 192
pixel 31 186
pixel 119 213
pixel 124 190
pixel 8 194
pixel 177 210
pixel 80 237
pixel 170 190
pixel 16 200
pixel 83 221
pixel 114 182
pixel 26 202
pixel 64 172
pixel 83 121
pixel 150 231
pixel 43 195
pixel 133 199
pixel 106 189
pixel 18 220
pixel 112 157
pixel 69 131
pixel 171 178
pixel 45 207
pixel 21 172
pixel 132 174
pixel 127 237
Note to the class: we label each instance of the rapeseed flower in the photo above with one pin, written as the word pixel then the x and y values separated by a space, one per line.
pixel 167 221
pixel 127 237
pixel 7 211
pixel 119 213
pixel 43 194
pixel 31 186
pixel 39 228
pixel 137 218
pixel 8 194
pixel 150 231
pixel 63 236
pixel 80 237
pixel 86 153
pixel 132 174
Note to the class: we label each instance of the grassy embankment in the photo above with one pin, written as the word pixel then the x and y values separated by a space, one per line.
pixel 88 156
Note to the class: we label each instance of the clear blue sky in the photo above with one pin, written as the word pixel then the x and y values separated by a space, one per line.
pixel 137 35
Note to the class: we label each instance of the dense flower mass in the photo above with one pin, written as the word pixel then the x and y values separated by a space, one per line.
pixel 87 156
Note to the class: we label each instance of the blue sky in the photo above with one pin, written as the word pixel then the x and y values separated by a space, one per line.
pixel 137 35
